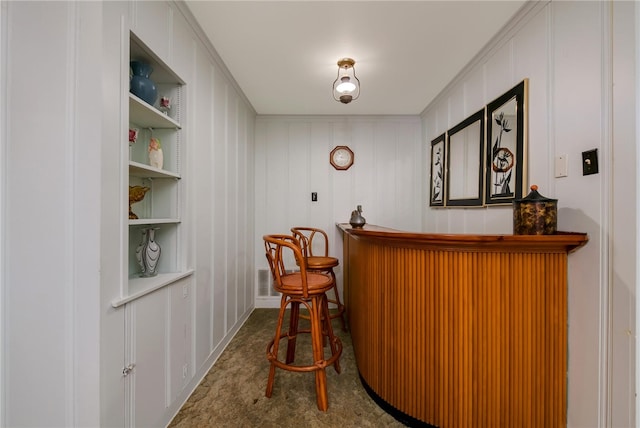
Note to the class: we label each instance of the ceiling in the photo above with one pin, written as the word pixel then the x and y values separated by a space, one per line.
pixel 283 54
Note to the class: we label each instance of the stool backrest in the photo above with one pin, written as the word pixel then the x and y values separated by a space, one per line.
pixel 277 249
pixel 306 236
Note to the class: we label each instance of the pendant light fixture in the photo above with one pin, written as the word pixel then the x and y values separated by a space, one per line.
pixel 346 87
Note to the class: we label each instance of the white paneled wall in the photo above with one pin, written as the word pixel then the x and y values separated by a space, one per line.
pixel 575 55
pixel 292 160
pixel 194 320
pixel 63 104
pixel 200 315
pixel 50 214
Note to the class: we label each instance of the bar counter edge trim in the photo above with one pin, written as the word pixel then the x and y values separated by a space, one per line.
pixel 566 241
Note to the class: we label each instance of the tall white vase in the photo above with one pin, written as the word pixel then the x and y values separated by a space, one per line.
pixel 139 250
pixel 150 254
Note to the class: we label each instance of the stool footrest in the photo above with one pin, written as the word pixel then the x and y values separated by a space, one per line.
pixel 273 359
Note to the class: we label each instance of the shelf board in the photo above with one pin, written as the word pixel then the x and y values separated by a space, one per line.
pixel 139 286
pixel 142 170
pixel 145 221
pixel 162 73
pixel 148 116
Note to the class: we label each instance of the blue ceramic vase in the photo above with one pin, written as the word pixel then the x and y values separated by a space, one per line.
pixel 141 85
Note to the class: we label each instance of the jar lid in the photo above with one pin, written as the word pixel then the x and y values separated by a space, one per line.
pixel 534 196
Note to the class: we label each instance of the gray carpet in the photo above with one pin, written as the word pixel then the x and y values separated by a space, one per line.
pixel 232 393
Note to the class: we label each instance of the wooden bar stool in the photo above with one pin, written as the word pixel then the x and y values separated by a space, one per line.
pixel 300 288
pixel 320 263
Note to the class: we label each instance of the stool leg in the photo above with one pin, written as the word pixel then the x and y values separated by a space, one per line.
pixel 338 302
pixel 272 351
pixel 329 332
pixel 293 332
pixel 318 352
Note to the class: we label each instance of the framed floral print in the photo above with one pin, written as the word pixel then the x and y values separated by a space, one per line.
pixel 507 145
pixel 465 162
pixel 437 172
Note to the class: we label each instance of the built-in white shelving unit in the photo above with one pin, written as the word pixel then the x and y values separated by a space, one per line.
pixel 161 208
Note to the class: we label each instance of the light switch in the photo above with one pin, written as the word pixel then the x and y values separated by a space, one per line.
pixel 562 166
pixel 590 162
pixel 314 196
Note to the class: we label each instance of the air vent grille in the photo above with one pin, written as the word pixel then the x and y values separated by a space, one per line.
pixel 265 283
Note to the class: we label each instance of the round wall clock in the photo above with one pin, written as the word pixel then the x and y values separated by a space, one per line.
pixel 341 157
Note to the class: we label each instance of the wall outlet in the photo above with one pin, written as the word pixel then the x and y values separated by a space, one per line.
pixel 562 166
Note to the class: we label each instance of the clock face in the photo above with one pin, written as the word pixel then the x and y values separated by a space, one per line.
pixel 341 157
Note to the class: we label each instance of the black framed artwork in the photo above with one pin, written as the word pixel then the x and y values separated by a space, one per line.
pixel 437 172
pixel 465 162
pixel 507 145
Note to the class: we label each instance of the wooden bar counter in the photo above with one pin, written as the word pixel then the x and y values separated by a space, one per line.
pixel 460 330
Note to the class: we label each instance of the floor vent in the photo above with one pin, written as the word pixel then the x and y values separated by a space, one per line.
pixel 265 284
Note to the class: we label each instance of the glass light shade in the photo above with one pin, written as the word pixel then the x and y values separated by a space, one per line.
pixel 346 87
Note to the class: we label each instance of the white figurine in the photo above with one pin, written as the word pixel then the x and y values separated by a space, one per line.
pixel 156 158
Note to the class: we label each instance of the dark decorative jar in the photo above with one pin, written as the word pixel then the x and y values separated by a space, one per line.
pixel 141 85
pixel 357 221
pixel 535 214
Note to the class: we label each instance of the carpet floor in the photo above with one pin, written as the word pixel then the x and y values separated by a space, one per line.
pixel 232 393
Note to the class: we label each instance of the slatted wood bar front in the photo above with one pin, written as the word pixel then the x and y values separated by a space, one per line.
pixel 461 330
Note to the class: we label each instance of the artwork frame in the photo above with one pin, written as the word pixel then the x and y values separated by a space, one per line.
pixel 506 152
pixel 465 155
pixel 437 183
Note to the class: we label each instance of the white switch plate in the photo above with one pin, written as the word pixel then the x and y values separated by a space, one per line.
pixel 562 166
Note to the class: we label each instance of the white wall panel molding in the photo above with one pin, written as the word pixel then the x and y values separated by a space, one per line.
pixel 4 123
pixel 63 82
pixel 129 364
pixel 579 58
pixel 636 274
pixel 50 201
pixel 114 78
pixel 71 215
pixel 152 22
pixel 292 158
pixel 336 119
pixel 221 159
pixel 623 155
pixel 606 380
